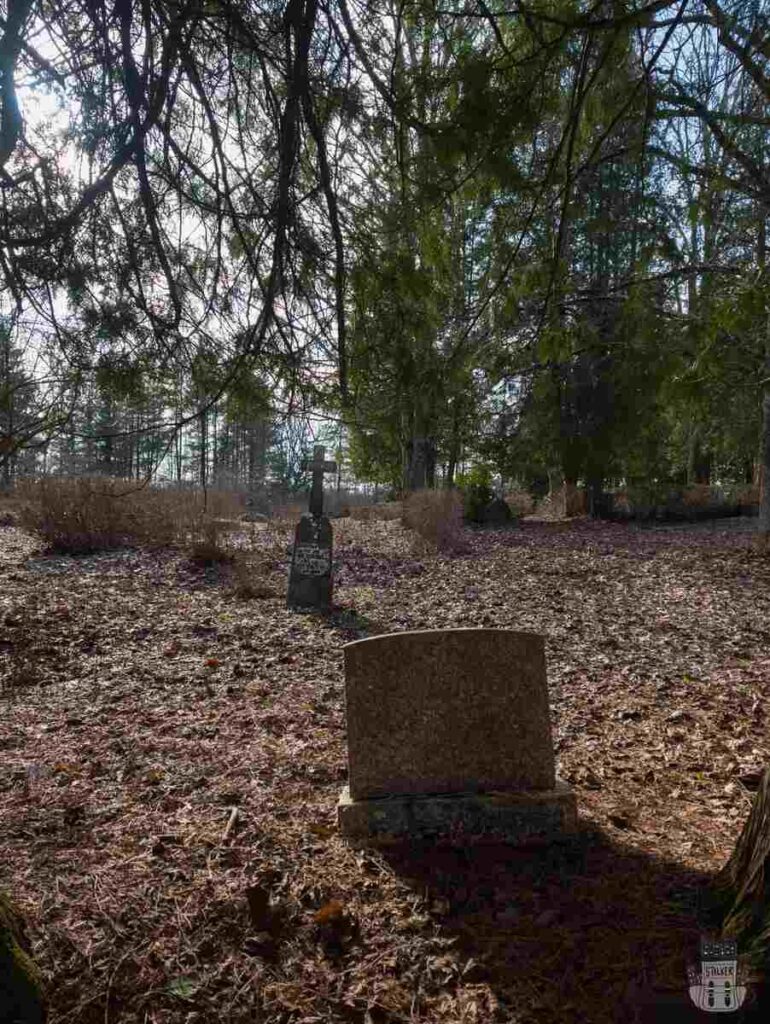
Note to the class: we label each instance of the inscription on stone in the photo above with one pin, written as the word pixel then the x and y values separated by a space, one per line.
pixel 311 560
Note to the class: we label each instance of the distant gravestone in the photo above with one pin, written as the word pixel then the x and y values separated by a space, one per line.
pixel 310 577
pixel 251 514
pixel 497 513
pixel 449 733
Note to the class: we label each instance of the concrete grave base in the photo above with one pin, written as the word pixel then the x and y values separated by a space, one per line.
pixel 509 817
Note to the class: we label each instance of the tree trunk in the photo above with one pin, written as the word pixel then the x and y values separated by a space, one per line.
pixel 596 502
pixel 202 462
pixel 21 987
pixel 700 461
pixel 214 449
pixel 763 526
pixel 455 444
pixel 419 463
pixel 178 454
pixel 740 889
pixel 571 498
pixel 430 463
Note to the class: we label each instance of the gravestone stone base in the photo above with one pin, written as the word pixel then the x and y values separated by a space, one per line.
pixel 516 817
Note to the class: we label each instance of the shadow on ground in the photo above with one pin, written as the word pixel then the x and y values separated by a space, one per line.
pixel 584 931
pixel 352 625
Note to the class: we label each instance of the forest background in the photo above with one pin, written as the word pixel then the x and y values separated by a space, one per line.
pixel 525 239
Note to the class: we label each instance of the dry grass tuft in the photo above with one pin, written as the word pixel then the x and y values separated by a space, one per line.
pixel 83 515
pixel 385 512
pixel 521 503
pixel 290 513
pixel 251 576
pixel 207 543
pixel 436 517
pixel 747 495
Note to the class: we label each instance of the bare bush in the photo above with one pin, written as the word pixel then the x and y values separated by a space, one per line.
pixel 746 496
pixel 251 576
pixel 436 517
pixel 78 516
pixel 699 496
pixel 207 540
pixel 563 503
pixel 11 508
pixel 521 503
pixel 290 513
pixel 87 514
pixel 384 512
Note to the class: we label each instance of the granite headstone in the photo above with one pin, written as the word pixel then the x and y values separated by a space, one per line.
pixel 310 577
pixel 449 730
pixel 310 580
pixel 497 513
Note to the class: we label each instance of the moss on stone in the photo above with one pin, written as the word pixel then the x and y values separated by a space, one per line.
pixel 21 985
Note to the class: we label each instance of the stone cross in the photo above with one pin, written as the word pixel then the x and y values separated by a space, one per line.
pixel 310 576
pixel 319 467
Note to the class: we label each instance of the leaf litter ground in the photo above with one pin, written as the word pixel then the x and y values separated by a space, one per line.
pixel 168 792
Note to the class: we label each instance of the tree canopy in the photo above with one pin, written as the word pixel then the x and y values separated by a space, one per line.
pixel 530 234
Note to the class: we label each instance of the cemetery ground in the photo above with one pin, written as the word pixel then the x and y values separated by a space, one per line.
pixel 172 749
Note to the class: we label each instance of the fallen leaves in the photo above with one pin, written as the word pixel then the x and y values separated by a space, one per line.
pixel 193 743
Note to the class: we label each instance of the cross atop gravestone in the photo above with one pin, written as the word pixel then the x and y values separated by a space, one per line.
pixel 310 577
pixel 318 467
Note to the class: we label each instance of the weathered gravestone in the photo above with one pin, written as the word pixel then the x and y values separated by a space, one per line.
pixel 310 578
pixel 449 734
pixel 497 513
pixel 252 514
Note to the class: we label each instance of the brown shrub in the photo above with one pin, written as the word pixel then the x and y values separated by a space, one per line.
pixel 288 513
pixel 77 516
pixel 575 500
pixel 11 508
pixel 82 515
pixel 699 496
pixel 521 503
pixel 436 517
pixel 206 540
pixel 622 504
pixel 563 503
pixel 747 495
pixel 384 512
pixel 251 576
